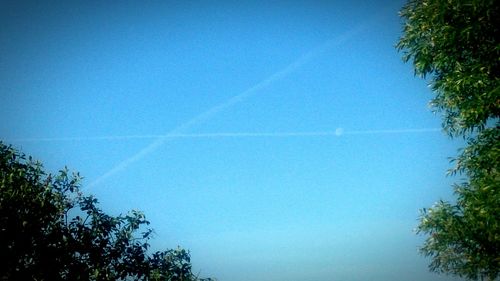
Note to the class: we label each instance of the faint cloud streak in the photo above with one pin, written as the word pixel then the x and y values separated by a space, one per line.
pixel 338 132
pixel 210 113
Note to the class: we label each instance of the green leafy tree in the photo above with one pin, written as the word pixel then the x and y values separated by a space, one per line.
pixel 455 44
pixel 50 230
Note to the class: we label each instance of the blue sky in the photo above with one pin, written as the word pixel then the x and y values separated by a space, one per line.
pixel 275 140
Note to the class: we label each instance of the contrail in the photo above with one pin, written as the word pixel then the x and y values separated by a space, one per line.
pixel 394 131
pixel 204 116
pixel 337 132
pixel 161 139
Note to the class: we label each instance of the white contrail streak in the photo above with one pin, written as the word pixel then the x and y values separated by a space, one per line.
pixel 161 139
pixel 337 132
pixel 204 116
pixel 394 131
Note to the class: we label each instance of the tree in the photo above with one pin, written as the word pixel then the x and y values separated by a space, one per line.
pixel 50 230
pixel 455 44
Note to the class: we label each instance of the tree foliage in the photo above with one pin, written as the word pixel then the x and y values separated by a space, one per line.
pixel 455 44
pixel 50 230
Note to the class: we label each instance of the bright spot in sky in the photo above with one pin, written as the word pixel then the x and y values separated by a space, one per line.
pixel 339 131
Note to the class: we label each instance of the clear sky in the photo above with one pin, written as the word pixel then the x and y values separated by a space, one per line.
pixel 276 140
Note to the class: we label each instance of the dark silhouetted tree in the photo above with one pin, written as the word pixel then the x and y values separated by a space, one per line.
pixel 454 43
pixel 50 230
